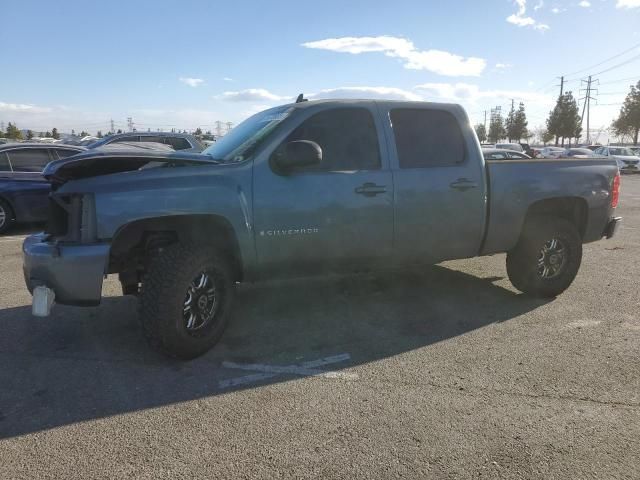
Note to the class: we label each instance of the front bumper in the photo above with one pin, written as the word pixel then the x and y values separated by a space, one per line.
pixel 73 272
pixel 612 227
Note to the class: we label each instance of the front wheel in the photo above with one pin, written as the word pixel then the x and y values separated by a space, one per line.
pixel 547 257
pixel 185 300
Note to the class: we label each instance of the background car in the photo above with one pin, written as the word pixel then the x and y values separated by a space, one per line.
pixel 23 190
pixel 624 157
pixel 578 153
pixel 178 141
pixel 503 154
pixel 635 150
pixel 549 152
pixel 516 147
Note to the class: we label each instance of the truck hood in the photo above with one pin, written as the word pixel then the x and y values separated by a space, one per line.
pixel 94 164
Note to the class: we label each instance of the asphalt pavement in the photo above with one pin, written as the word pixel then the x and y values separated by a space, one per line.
pixel 444 373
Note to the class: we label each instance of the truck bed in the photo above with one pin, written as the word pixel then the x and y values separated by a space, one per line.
pixel 515 185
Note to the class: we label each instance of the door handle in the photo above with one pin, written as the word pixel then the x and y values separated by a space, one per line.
pixel 370 189
pixel 463 184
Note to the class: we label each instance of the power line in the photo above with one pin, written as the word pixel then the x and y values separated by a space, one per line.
pixel 604 61
pixel 621 64
pixel 620 80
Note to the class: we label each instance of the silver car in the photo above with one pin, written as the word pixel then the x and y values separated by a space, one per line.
pixel 624 157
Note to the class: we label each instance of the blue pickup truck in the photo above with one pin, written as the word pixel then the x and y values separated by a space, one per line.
pixel 308 188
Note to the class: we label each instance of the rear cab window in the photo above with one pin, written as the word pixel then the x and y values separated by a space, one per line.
pixel 427 138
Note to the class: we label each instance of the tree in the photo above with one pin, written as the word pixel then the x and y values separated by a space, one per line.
pixel 198 131
pixel 29 134
pixel 481 132
pixel 628 121
pixel 521 124
pixel 84 134
pixel 496 128
pixel 510 124
pixel 99 134
pixel 119 130
pixel 13 132
pixel 564 120
pixel 55 134
pixel 47 134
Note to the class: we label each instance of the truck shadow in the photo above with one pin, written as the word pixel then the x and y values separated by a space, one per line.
pixel 85 364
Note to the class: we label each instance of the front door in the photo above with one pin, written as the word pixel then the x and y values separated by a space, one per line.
pixel 334 216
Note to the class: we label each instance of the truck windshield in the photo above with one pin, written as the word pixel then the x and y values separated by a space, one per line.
pixel 241 142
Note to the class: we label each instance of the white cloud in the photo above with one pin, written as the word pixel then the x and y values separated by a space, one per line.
pixel 628 4
pixel 252 95
pixel 538 6
pixel 228 79
pixel 386 93
pixel 555 10
pixel 522 20
pixel 503 65
pixel 192 82
pixel 437 61
pixel 584 4
pixel 22 108
pixel 472 94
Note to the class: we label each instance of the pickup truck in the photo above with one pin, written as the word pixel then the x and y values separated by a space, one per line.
pixel 307 188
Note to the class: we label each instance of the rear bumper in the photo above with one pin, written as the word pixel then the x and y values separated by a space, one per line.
pixel 612 227
pixel 73 272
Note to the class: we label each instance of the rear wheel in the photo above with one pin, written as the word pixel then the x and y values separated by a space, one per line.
pixel 547 258
pixel 185 300
pixel 6 216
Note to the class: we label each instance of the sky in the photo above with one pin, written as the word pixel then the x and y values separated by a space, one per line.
pixel 187 64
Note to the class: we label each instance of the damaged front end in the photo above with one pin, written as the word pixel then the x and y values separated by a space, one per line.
pixel 95 164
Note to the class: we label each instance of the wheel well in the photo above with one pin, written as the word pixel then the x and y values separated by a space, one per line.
pixel 572 209
pixel 132 243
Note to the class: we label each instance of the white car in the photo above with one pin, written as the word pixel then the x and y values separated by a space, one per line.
pixel 624 157
pixel 549 152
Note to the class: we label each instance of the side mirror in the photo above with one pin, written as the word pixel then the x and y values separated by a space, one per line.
pixel 296 154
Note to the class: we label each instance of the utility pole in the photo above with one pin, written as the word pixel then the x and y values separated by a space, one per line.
pixel 229 126
pixel 561 85
pixel 512 104
pixel 587 103
pixel 485 120
pixel 130 124
pixel 113 127
pixel 218 128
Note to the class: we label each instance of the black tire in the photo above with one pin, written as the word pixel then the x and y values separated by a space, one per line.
pixel 166 287
pixel 6 216
pixel 531 265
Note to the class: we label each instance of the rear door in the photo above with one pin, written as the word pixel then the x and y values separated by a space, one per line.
pixel 334 216
pixel 440 201
pixel 30 189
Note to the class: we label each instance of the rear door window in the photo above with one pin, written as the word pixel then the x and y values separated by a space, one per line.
pixel 178 143
pixel 63 153
pixel 131 138
pixel 29 159
pixel 150 138
pixel 4 163
pixel 427 138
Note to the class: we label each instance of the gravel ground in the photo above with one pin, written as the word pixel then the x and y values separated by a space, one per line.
pixel 449 373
